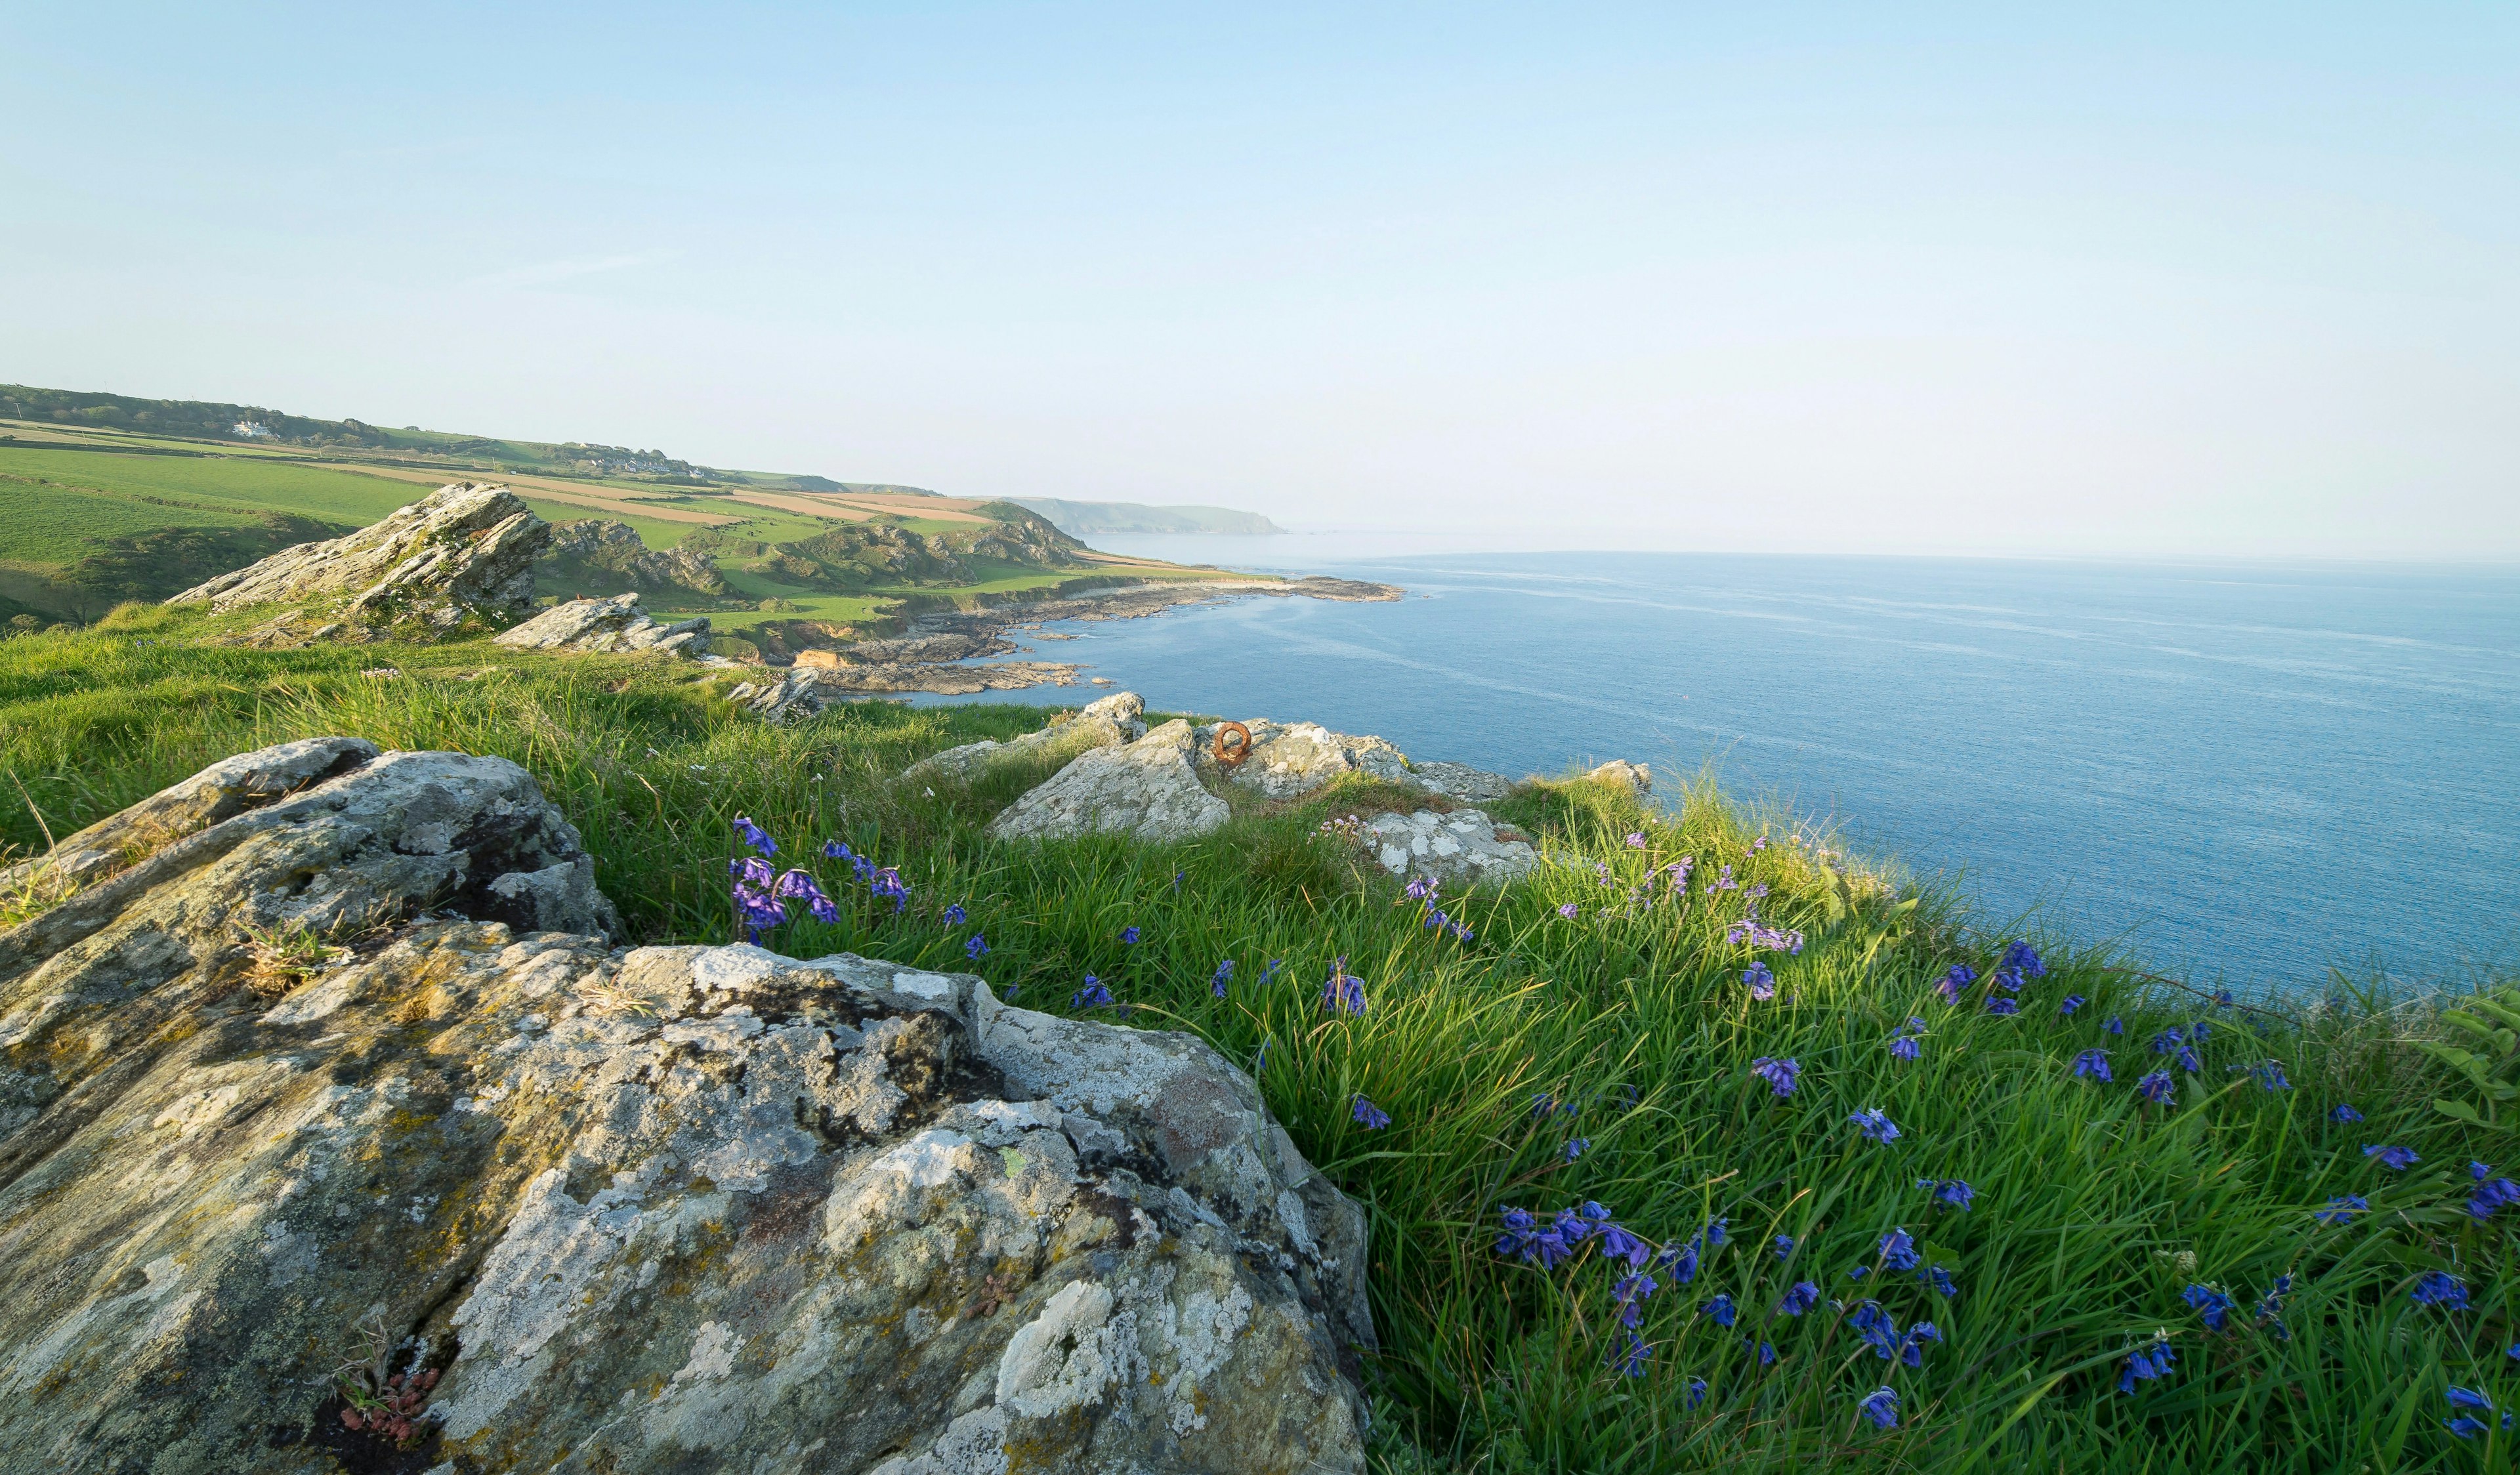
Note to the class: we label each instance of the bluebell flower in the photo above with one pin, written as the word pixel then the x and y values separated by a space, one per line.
pixel 978 947
pixel 1568 911
pixel 2270 1307
pixel 1905 1048
pixel 754 836
pixel 1129 935
pixel 1876 1326
pixel 2007 980
pixel 2223 998
pixel 1881 1407
pixel 2512 1352
pixel 2146 1363
pixel 1801 1297
pixel 1715 1233
pixel 1371 1117
pixel 953 916
pixel 1618 1243
pixel 1680 1260
pixel 2442 1289
pixel 2211 1304
pixel 2464 1426
pixel 835 850
pixel 752 871
pixel 1268 974
pixel 2270 1076
pixel 2199 1031
pixel 1911 1351
pixel 1763 984
pixel 1630 1356
pixel 1784 1245
pixel 1949 1191
pixel 1093 996
pixel 1767 1350
pixel 2115 1026
pixel 2469 1398
pixel 2157 1088
pixel 2341 1209
pixel 1632 1290
pixel 2093 1064
pixel 2343 1114
pixel 1858 1272
pixel 2072 1003
pixel 2187 1060
pixel 1577 1147
pixel 1696 1392
pixel 1722 1310
pixel 1961 976
pixel 1942 1283
pixel 2397 1158
pixel 2499 1193
pixel 1899 1250
pixel 1996 1005
pixel 1875 1124
pixel 1778 1074
pixel 1636 840
pixel 1520 1230
pixel 1343 990
pixel 2167 1041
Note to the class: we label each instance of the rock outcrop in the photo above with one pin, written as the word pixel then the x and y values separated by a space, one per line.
pixel 564 1206
pixel 1146 789
pixel 609 624
pixel 1459 781
pixel 1619 771
pixel 1288 760
pixel 1106 723
pixel 802 691
pixel 600 552
pixel 461 556
pixel 1461 848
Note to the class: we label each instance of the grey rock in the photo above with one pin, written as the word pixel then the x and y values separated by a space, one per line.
pixel 1146 789
pixel 1107 722
pixel 464 552
pixel 616 623
pixel 601 546
pixel 1459 781
pixel 1630 775
pixel 637 1211
pixel 1288 760
pixel 1460 848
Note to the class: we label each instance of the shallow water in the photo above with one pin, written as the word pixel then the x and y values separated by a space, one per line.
pixel 2250 772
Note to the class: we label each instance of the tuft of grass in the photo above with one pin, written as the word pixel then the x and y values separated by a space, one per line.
pixel 1628 1026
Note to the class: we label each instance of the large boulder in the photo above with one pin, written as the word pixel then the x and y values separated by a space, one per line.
pixel 609 624
pixel 1146 789
pixel 464 554
pixel 1459 781
pixel 1461 848
pixel 1107 722
pixel 1287 760
pixel 600 551
pixel 491 1195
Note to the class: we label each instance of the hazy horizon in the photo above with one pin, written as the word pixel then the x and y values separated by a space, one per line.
pixel 2148 284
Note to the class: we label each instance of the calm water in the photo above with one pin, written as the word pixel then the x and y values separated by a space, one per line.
pixel 2249 771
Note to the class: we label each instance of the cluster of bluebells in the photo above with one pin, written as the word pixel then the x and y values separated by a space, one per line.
pixel 761 896
pixel 884 882
pixel 1758 934
pixel 1876 1125
pixel 2439 1288
pixel 2491 1192
pixel 1780 1074
pixel 1899 1253
pixel 1763 984
pixel 2466 1425
pixel 1902 1044
pixel 1343 990
pixel 1948 1191
pixel 1423 891
pixel 1223 976
pixel 1371 1117
pixel 1960 976
pixel 2147 1362
pixel 1880 1331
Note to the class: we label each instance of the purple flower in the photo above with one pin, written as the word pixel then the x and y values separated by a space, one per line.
pixel 1898 1251
pixel 751 871
pixel 754 836
pixel 2115 1026
pixel 1618 1243
pixel 2464 1427
pixel 1722 1310
pixel 1763 984
pixel 1343 990
pixel 1905 1048
pixel 1223 976
pixel 2396 1158
pixel 2187 1060
pixel 1959 977
pixel 1881 1407
pixel 2499 1193
pixel 1941 1280
pixel 1996 1005
pixel 2072 1003
pixel 2144 1364
pixel 2157 1088
pixel 1784 1245
pixel 2214 1306
pixel 1680 1260
pixel 2343 1114
pixel 1371 1117
pixel 2167 1041
pixel 2223 998
pixel 1577 1147
pixel 1696 1392
pixel 2270 1076
pixel 1630 1356
pixel 1767 1350
pixel 2007 980
pixel 1636 840
pixel 1875 1124
pixel 1778 1074
pixel 2022 958
pixel 2093 1064
pixel 2438 1288
pixel 978 947
pixel 1632 1289
pixel 2469 1398
pixel 953 916
pixel 1912 1351
pixel 2341 1209
pixel 1568 911
pixel 1949 1191
pixel 1129 935
pixel 1093 996
pixel 835 850
pixel 1801 1297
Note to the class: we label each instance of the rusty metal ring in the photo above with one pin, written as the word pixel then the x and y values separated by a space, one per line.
pixel 1241 750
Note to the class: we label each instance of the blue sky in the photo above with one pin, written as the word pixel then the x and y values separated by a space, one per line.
pixel 2000 279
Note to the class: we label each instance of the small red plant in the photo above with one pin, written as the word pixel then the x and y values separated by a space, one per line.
pixel 389 1410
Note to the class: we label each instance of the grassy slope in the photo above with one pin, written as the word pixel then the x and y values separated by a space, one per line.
pixel 2088 1201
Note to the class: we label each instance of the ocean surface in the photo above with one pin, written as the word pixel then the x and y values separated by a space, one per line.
pixel 2249 773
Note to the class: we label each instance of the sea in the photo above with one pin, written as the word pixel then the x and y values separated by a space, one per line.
pixel 2247 774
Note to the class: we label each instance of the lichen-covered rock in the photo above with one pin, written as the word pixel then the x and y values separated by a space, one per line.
pixel 1459 781
pixel 594 1209
pixel 1107 722
pixel 802 692
pixel 1287 760
pixel 616 623
pixel 462 554
pixel 604 553
pixel 1626 775
pixel 1146 789
pixel 1463 847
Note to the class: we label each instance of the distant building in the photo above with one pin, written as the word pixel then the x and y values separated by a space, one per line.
pixel 253 429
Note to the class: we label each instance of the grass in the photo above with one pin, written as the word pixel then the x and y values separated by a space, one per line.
pixel 2094 1210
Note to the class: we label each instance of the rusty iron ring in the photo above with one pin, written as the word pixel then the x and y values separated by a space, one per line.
pixel 1241 750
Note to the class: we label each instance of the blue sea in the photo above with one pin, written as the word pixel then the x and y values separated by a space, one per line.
pixel 2249 773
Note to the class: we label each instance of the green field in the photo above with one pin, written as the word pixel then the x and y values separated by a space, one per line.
pixel 1596 1040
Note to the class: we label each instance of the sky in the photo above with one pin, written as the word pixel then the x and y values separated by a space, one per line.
pixel 2153 280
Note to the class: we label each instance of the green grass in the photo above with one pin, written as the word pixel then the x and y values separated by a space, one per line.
pixel 245 483
pixel 2087 1199
pixel 53 525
